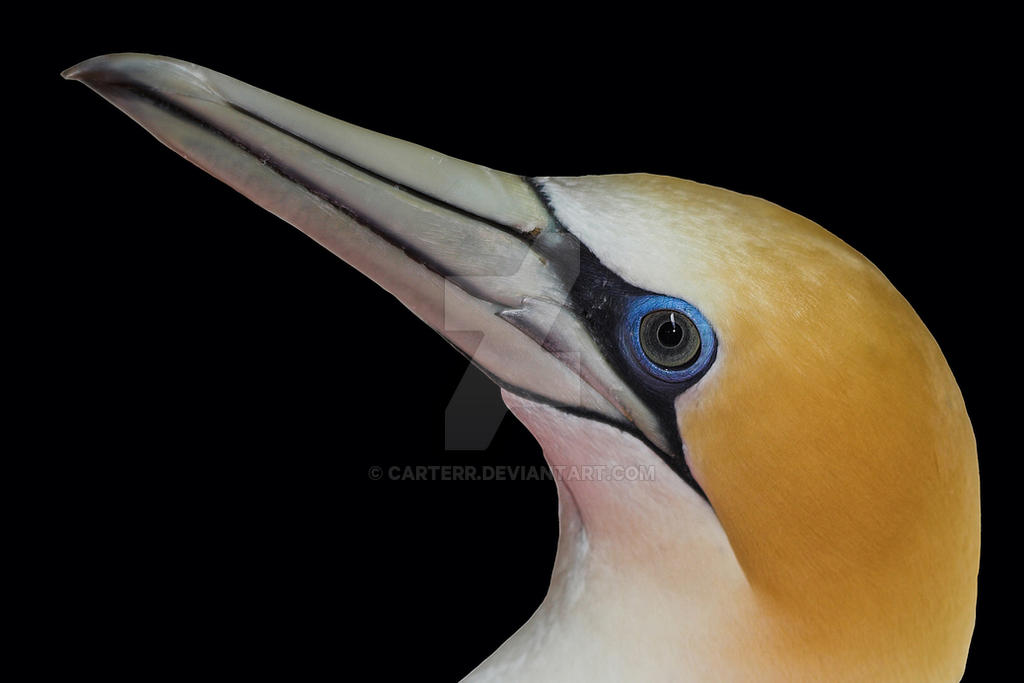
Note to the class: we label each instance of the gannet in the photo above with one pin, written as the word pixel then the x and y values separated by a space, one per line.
pixel 813 509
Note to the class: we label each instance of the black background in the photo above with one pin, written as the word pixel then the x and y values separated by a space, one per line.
pixel 226 385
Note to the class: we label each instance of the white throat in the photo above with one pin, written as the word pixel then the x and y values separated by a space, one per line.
pixel 645 585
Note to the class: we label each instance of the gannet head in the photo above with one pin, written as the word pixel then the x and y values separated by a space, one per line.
pixel 829 434
pixel 815 465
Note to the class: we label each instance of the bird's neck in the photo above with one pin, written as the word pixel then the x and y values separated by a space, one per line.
pixel 645 584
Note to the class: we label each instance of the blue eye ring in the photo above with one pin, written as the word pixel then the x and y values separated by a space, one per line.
pixel 638 308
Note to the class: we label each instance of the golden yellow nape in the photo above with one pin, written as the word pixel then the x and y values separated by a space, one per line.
pixel 829 435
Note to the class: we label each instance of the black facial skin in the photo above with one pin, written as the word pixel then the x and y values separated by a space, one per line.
pixel 601 298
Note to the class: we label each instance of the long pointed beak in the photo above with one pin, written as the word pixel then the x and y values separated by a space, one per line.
pixel 473 252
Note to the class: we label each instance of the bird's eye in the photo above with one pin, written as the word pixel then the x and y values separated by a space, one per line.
pixel 669 339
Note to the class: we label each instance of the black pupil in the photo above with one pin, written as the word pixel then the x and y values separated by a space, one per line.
pixel 670 334
pixel 669 339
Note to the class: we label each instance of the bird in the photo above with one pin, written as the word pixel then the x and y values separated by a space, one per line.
pixel 775 475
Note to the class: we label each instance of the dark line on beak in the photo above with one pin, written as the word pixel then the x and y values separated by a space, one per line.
pixel 294 177
pixel 525 236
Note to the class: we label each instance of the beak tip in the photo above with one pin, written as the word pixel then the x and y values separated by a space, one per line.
pixel 73 73
pixel 118 66
pixel 91 70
